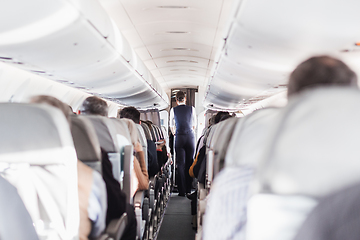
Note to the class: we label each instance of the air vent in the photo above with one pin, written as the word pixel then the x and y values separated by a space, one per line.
pixel 173 7
pixel 177 61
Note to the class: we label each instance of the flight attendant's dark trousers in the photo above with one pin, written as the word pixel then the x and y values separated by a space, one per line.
pixel 184 149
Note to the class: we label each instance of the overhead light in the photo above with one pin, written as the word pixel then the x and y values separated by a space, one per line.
pixel 179 49
pixel 190 70
pixel 174 7
pixel 178 32
pixel 175 61
pixel 176 90
pixel 172 32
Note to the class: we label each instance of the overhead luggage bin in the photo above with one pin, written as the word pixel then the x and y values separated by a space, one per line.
pixel 262 46
pixel 76 41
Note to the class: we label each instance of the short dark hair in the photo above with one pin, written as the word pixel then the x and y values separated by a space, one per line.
pixel 219 115
pixel 130 113
pixel 319 71
pixel 94 105
pixel 180 96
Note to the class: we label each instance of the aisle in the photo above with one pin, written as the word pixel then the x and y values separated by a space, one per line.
pixel 176 224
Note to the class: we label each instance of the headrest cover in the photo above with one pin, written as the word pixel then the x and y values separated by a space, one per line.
pixel 251 138
pixel 31 127
pixel 105 131
pixel 315 149
pixel 85 139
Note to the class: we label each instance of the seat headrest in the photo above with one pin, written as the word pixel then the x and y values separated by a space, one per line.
pixel 146 131
pixel 121 128
pixel 105 130
pixel 315 149
pixel 251 138
pixel 86 142
pixel 31 129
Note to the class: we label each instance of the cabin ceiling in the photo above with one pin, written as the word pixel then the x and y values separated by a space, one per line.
pixel 176 39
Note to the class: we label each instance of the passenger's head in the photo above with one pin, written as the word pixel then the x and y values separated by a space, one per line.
pixel 130 113
pixel 52 101
pixel 180 97
pixel 224 117
pixel 94 106
pixel 219 115
pixel 320 71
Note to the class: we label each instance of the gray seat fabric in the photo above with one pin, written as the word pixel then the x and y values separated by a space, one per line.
pixel 121 128
pixel 106 132
pixel 146 131
pixel 220 142
pixel 86 142
pixel 44 170
pixel 313 152
pixel 15 221
pixel 33 139
pixel 336 217
pixel 251 138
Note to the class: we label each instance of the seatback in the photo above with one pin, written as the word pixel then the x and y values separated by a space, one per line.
pixel 251 138
pixel 106 132
pixel 37 156
pixel 146 131
pixel 210 156
pixel 14 214
pixel 337 216
pixel 220 142
pixel 86 142
pixel 313 152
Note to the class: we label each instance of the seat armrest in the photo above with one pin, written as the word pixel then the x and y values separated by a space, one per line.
pixel 139 199
pixel 116 227
pixel 102 237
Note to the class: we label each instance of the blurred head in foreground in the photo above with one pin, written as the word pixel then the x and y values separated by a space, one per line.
pixel 320 71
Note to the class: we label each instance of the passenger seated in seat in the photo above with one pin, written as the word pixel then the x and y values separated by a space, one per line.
pixel 139 158
pixel 133 114
pixel 229 190
pixel 116 198
pixel 91 186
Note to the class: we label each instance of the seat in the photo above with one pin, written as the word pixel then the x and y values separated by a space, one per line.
pixel 336 217
pixel 14 214
pixel 109 140
pixel 220 142
pixel 250 138
pixel 37 156
pixel 88 151
pixel 313 153
pixel 86 142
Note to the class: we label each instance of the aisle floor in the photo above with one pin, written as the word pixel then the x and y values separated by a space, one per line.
pixel 176 224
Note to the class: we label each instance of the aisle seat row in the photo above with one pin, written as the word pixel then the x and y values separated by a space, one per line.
pixel 288 166
pixel 40 159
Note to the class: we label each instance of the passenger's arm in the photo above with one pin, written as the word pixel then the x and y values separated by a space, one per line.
pixel 140 170
pixel 172 122
pixel 193 118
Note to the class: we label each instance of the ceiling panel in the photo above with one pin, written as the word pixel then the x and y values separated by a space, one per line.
pixel 164 31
